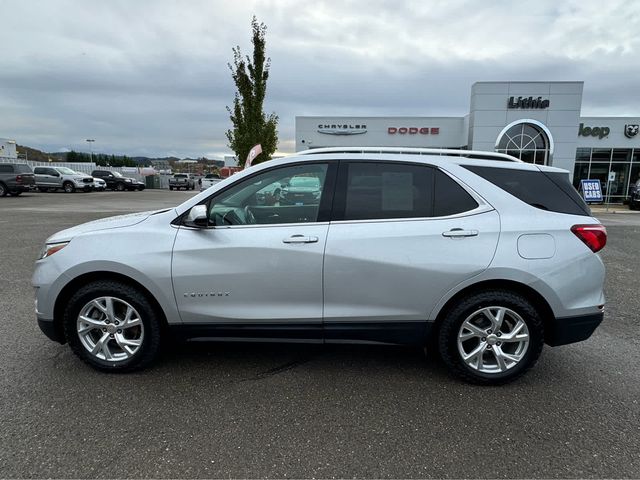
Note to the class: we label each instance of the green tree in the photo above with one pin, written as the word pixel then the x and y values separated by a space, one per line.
pixel 72 156
pixel 250 124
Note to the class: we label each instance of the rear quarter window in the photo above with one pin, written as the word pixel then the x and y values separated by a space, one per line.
pixel 550 191
pixel 23 168
pixel 450 198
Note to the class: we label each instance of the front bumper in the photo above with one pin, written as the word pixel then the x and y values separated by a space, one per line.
pixel 51 329
pixel 563 331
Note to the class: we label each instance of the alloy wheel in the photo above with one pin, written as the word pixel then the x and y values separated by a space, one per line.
pixel 493 340
pixel 110 329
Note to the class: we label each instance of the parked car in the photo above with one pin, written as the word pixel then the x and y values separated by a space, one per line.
pixel 476 255
pixel 54 178
pixel 117 181
pixel 182 180
pixel 301 189
pixel 209 180
pixel 15 178
pixel 99 185
pixel 634 196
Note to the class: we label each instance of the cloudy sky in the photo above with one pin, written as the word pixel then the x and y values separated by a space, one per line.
pixel 150 77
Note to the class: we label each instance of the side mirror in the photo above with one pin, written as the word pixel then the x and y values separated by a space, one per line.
pixel 197 216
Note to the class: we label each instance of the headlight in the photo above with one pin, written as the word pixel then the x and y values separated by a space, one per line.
pixel 127 180
pixel 51 248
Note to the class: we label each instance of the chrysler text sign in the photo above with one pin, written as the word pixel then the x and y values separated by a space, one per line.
pixel 342 129
pixel 413 130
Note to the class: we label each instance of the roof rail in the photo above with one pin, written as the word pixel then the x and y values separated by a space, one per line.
pixel 415 151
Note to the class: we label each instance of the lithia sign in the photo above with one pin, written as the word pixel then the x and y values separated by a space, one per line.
pixel 528 103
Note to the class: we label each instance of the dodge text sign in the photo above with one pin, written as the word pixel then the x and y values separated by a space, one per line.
pixel 413 130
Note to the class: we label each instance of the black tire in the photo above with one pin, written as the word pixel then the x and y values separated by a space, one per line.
pixel 452 323
pixel 120 187
pixel 43 189
pixel 140 188
pixel 14 194
pixel 3 189
pixel 150 346
pixel 68 187
pixel 170 188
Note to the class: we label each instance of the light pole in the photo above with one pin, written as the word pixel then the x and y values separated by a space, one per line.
pixel 90 142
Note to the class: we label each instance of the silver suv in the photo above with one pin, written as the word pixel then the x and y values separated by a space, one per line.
pixel 475 255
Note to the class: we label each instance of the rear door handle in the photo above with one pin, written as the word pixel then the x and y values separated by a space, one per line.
pixel 458 232
pixel 300 239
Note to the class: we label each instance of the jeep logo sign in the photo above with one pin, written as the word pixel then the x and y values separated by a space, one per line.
pixel 599 132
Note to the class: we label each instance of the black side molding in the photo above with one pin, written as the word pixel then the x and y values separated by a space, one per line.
pixel 387 332
pixel 563 331
pixel 395 333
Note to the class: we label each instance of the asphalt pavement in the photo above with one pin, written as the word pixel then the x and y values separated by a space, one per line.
pixel 267 410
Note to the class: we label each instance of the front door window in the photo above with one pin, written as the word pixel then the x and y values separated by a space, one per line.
pixel 283 195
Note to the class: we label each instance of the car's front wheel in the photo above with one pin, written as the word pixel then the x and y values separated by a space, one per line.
pixel 491 337
pixel 68 187
pixel 112 327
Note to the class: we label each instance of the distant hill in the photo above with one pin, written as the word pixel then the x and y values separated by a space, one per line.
pixel 36 155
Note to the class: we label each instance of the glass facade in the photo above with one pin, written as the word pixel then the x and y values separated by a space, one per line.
pixel 596 163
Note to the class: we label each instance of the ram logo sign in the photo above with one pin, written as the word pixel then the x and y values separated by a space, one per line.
pixel 631 131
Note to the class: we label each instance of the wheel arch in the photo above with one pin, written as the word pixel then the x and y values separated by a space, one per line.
pixel 537 300
pixel 70 288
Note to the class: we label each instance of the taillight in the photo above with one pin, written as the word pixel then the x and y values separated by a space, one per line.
pixel 593 236
pixel 18 178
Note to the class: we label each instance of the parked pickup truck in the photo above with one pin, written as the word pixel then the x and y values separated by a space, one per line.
pixel 15 178
pixel 182 180
pixel 209 180
pixel 50 179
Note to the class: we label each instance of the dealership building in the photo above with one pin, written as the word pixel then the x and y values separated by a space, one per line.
pixel 537 122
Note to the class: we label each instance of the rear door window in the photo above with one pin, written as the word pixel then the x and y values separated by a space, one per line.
pixel 544 190
pixel 381 190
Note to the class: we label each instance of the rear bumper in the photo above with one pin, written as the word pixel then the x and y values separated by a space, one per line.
pixel 567 330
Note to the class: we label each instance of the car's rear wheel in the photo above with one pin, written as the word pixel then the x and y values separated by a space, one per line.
pixel 120 187
pixel 43 189
pixel 491 337
pixel 68 187
pixel 112 327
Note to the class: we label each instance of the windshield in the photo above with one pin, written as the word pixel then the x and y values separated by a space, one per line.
pixel 65 171
pixel 117 174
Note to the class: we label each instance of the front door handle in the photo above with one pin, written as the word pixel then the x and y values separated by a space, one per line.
pixel 458 232
pixel 300 239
